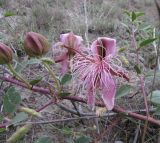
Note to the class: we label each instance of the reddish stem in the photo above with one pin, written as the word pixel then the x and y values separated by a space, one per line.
pixel 142 86
pixel 118 73
pixel 78 52
pixel 46 105
pixel 79 99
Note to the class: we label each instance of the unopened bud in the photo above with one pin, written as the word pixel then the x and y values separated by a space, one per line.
pixel 19 134
pixel 72 41
pixel 30 111
pixel 35 44
pixel 5 54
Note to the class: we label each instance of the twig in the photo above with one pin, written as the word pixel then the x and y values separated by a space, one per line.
pixel 78 113
pixel 62 120
pixel 79 99
pixel 46 105
pixel 142 85
pixel 157 49
pixel 86 21
pixel 92 114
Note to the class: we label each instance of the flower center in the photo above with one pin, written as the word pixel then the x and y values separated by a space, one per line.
pixel 101 49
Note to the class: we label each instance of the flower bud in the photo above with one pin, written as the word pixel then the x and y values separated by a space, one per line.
pixel 30 111
pixel 5 54
pixel 20 133
pixel 35 44
pixel 72 41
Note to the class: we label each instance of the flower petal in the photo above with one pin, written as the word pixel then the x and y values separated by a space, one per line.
pixel 108 90
pixel 71 40
pixel 64 61
pixel 108 44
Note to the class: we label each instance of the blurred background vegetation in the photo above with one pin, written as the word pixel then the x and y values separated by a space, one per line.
pixel 52 17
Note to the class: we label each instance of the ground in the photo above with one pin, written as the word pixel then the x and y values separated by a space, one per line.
pixel 102 18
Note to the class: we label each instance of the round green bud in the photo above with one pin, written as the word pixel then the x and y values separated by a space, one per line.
pixel 35 44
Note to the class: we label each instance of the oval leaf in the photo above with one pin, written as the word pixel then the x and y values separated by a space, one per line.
pixel 66 78
pixel 21 66
pixel 19 117
pixel 11 100
pixel 155 99
pixel 133 16
pixel 123 90
pixel 35 81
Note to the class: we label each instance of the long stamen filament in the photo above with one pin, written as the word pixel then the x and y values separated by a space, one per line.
pixel 79 53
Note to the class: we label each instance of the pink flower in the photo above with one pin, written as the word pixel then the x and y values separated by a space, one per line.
pixel 72 42
pixel 97 71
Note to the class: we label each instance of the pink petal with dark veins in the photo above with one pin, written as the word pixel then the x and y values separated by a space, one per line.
pixel 108 90
pixel 104 47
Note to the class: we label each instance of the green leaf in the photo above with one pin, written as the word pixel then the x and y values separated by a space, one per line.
pixel 1 118
pixel 145 28
pixel 137 68
pixel 47 60
pixel 66 78
pixel 147 41
pixel 83 139
pixel 122 49
pixel 19 117
pixel 157 111
pixel 13 95
pixel 11 100
pixel 133 16
pixel 64 94
pixel 21 66
pixel 9 13
pixel 44 140
pixel 36 80
pixel 8 106
pixel 128 13
pixel 67 131
pixel 155 99
pixel 123 90
pixel 138 14
pixel 125 25
pixel 2 130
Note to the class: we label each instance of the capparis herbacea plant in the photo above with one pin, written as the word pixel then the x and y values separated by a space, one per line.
pixel 96 71
pixel 95 68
